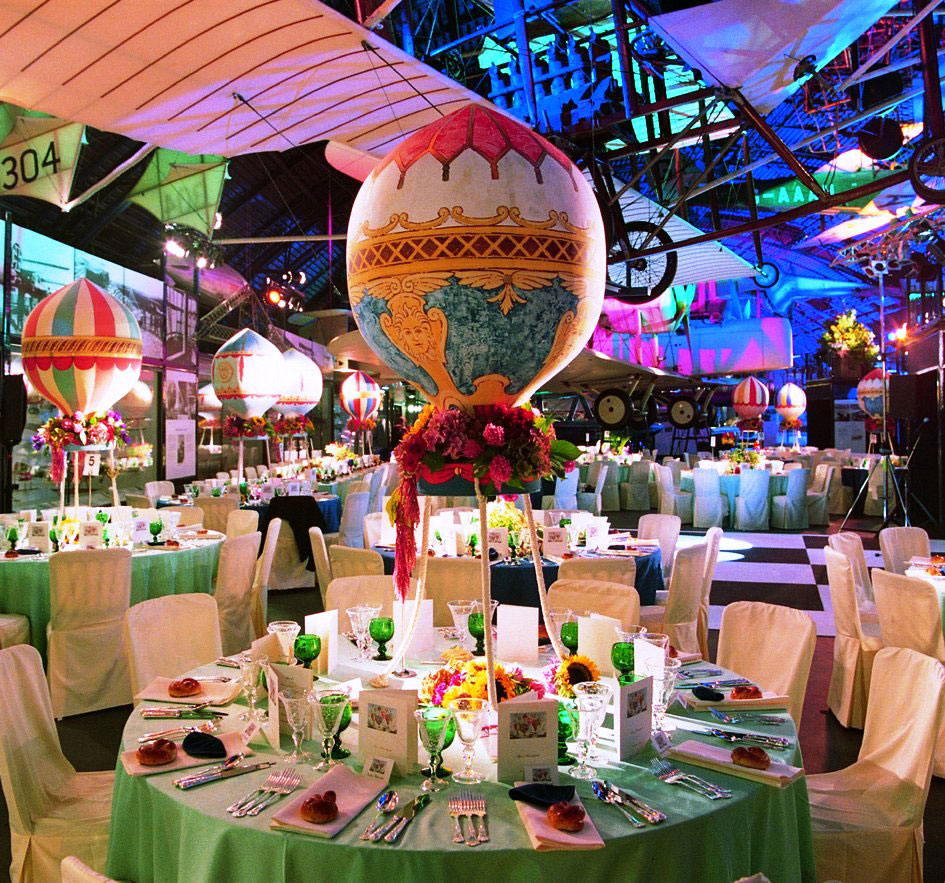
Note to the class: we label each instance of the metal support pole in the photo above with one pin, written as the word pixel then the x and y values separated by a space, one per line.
pixel 630 102
pixel 6 451
pixel 525 62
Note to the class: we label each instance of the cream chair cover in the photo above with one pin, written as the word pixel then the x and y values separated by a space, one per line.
pixel 616 600
pixel 867 818
pixel 751 504
pixel 250 472
pixel 216 510
pixel 772 646
pixel 665 528
pixel 675 467
pixel 74 870
pixel 606 570
pixel 899 544
pixel 54 811
pixel 348 561
pixel 713 538
pixel 322 563
pixel 373 526
pixel 853 648
pixel 909 613
pixel 289 567
pixel 89 592
pixel 679 618
pixel 351 530
pixel 155 489
pixel 135 501
pixel 710 507
pixel 347 591
pixel 565 495
pixel 610 493
pixel 673 502
pixel 635 493
pixel 171 635
pixel 190 516
pixel 451 579
pixel 593 501
pixel 14 629
pixel 263 576
pixel 880 483
pixel 223 476
pixel 234 591
pixel 789 511
pixel 240 522
pixel 850 546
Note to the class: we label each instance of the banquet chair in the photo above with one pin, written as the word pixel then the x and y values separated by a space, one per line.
pixel 817 495
pixel 322 562
pixel 770 645
pixel 776 466
pixel 909 613
pixel 234 473
pixel 250 473
pixel 854 646
pixel 155 489
pixel 606 570
pixel 790 510
pixel 565 495
pixel 451 579
pixel 89 592
pixel 592 501
pixel 262 577
pixel 584 596
pixel 791 465
pixel 240 522
pixel 752 506
pixel 635 493
pixel 665 528
pixel 675 466
pixel 349 561
pixel 351 530
pixel 850 545
pixel 679 617
pixel 672 501
pixel 710 507
pixel 866 819
pixel 293 566
pixel 234 591
pixel 223 476
pixel 54 811
pixel 137 501
pixel 190 516
pixel 74 870
pixel 713 538
pixel 376 489
pixel 262 472
pixel 347 591
pixel 373 524
pixel 216 510
pixel 900 544
pixel 171 635
pixel 610 492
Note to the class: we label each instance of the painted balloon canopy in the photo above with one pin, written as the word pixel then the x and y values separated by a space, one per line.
pixel 476 259
pixel 750 398
pixel 869 393
pixel 247 374
pixel 302 384
pixel 360 396
pixel 81 348
pixel 791 401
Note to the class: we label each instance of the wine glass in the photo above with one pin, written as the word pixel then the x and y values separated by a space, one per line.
pixel 591 698
pixel 460 611
pixel 434 724
pixel 477 626
pixel 557 617
pixel 338 751
pixel 663 691
pixel 469 715
pixel 286 631
pixel 296 708
pixel 329 706
pixel 307 648
pixel 155 527
pixel 381 630
pixel 569 635
pixel 250 671
pixel 360 617
pixel 622 653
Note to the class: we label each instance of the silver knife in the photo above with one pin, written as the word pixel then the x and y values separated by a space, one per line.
pixel 405 820
pixel 406 811
pixel 192 781
pixel 778 742
pixel 651 814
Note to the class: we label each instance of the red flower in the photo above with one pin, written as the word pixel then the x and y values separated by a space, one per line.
pixel 494 435
pixel 500 470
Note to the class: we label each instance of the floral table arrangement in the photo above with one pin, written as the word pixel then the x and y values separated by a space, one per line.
pixel 235 426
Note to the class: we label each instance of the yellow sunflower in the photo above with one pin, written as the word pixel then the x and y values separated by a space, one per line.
pixel 575 670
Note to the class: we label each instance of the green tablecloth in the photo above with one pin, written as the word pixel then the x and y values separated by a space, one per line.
pixel 159 833
pixel 24 582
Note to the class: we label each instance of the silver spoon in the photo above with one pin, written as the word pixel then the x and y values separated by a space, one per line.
pixel 386 803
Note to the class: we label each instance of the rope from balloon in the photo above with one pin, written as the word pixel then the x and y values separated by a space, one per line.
pixel 556 644
pixel 113 475
pixel 75 480
pixel 239 465
pixel 486 572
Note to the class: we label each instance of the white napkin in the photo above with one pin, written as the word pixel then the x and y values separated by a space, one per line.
pixel 543 837
pixel 214 693
pixel 719 757
pixel 233 742
pixel 353 793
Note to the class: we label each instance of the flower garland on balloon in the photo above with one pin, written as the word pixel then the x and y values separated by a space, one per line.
pixel 359 424
pixel 62 433
pixel 292 424
pixel 750 424
pixel 235 426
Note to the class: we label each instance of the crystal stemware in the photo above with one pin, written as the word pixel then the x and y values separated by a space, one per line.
pixel 469 715
pixel 567 724
pixel 338 751
pixel 329 707
pixel 296 708
pixel 286 631
pixel 307 649
pixel 663 691
pixel 623 652
pixel 460 611
pixel 155 527
pixel 557 617
pixel 477 626
pixel 250 673
pixel 360 617
pixel 569 635
pixel 381 630
pixel 591 698
pixel 433 725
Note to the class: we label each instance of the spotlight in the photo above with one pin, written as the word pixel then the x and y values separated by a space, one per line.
pixel 202 262
pixel 174 248
pixel 273 296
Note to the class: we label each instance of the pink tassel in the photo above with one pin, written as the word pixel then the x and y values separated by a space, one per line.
pixel 57 470
pixel 405 554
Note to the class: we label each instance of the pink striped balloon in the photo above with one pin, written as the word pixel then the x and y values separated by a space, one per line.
pixel 790 402
pixel 360 396
pixel 750 398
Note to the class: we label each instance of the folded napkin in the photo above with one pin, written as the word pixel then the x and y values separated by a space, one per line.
pixel 229 744
pixel 687 658
pixel 214 693
pixel 353 793
pixel 544 838
pixel 767 700
pixel 542 794
pixel 719 757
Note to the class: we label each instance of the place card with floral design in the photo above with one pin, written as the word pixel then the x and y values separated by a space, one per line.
pixel 387 728
pixel 528 736
pixel 633 710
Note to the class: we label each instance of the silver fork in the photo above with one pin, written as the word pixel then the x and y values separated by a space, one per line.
pixel 292 780
pixel 268 791
pixel 666 772
pixel 252 795
pixel 208 727
pixel 478 810
pixel 747 717
pixel 456 813
pixel 466 803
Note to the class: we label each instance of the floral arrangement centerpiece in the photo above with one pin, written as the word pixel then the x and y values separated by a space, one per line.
pixel 747 456
pixel 340 452
pixel 794 425
pixel 845 339
pixel 561 676
pixel 95 430
pixel 459 680
pixel 504 513
pixel 292 424
pixel 750 424
pixel 361 424
pixel 235 426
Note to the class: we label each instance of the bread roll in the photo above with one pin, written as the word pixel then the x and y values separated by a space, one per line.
pixel 156 753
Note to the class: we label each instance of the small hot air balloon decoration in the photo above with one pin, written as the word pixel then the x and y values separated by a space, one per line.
pixel 869 393
pixel 360 396
pixel 750 400
pixel 790 403
pixel 302 384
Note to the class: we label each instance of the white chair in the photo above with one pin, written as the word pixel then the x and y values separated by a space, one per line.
pixel 190 516
pixel 605 570
pixel 74 870
pixel 14 629
pixel 168 636
pixel 909 613
pixel 789 511
pixel 610 493
pixel 262 577
pixel 616 600
pixel 135 501
pixel 900 544
pixel 713 538
pixel 867 818
pixel 817 495
pixel 155 489
pixel 89 592
pixel 250 473
pixel 351 530
pixel 672 502
pixel 592 501
pixel 679 618
pixel 710 507
pixel 234 591
pixel 223 476
pixel 635 493
pixel 348 561
pixel 346 591
pixel 770 645
pixel 850 545
pixel 322 563
pixel 373 526
pixel 234 473
pixel 451 579
pixel 54 811
pixel 565 495
pixel 216 510
pixel 665 529
pixel 792 465
pixel 675 467
pixel 240 522
pixel 752 505
pixel 853 647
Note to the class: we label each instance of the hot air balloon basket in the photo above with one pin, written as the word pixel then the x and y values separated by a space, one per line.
pixel 71 448
pixel 452 482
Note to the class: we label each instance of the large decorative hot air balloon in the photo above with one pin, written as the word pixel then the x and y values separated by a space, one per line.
pixel 790 402
pixel 750 398
pixel 476 259
pixel 81 348
pixel 136 404
pixel 869 393
pixel 209 405
pixel 360 396
pixel 301 384
pixel 248 374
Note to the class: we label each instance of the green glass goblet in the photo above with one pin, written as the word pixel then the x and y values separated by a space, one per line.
pixel 155 528
pixel 567 724
pixel 569 636
pixel 381 630
pixel 621 655
pixel 433 724
pixel 442 772
pixel 306 649
pixel 338 751
pixel 478 631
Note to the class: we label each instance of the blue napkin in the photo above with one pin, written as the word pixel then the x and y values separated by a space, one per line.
pixel 541 794
pixel 203 745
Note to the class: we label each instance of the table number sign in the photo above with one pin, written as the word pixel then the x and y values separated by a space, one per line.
pixel 517 633
pixel 386 727
pixel 528 736
pixel 268 492
pixel 305 488
pixel 498 539
pixel 91 535
pixel 633 709
pixel 325 625
pixel 555 542
pixel 596 533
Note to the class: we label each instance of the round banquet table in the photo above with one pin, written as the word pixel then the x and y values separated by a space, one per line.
pixel 730 483
pixel 24 581
pixel 330 507
pixel 160 834
pixel 514 582
pixel 936 582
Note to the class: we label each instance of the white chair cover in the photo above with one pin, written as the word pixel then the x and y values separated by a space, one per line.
pixel 709 504
pixel 54 811
pixel 89 592
pixel 853 648
pixel 817 495
pixel 593 501
pixel 346 591
pixel 616 600
pixel 223 476
pixel 451 579
pixel 289 567
pixel 880 484
pixel 713 538
pixel 263 576
pixel 250 472
pixel 675 468
pixel 565 495
pixel 155 489
pixel 665 528
pixel 240 522
pixel 234 591
pixel 347 561
pixel 867 818
pixel 751 504
pixel 789 511
pixel 376 488
pixel 673 502
pixel 322 563
pixel 909 613
pixel 610 493
pixel 635 493
pixel 351 531
pixel 373 526
pixel 190 516
pixel 680 617
pixel 850 546
pixel 899 544
pixel 171 635
pixel 605 570
pixel 216 510
pixel 14 629
pixel 74 870
pixel 772 646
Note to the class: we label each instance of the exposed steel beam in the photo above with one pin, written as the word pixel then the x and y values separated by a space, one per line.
pixel 646 146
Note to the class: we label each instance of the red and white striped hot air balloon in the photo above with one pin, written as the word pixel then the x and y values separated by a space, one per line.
pixel 360 396
pixel 790 402
pixel 750 398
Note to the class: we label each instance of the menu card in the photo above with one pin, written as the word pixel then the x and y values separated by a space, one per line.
pixel 596 637
pixel 596 533
pixel 554 542
pixel 38 536
pixel 91 535
pixel 267 493
pixel 387 728
pixel 305 488
pixel 280 678
pixel 294 488
pixel 325 625
pixel 633 709
pixel 498 539
pixel 139 530
pixel 528 736
pixel 517 637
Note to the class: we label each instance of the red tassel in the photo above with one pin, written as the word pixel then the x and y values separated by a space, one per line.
pixel 405 554
pixel 57 470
